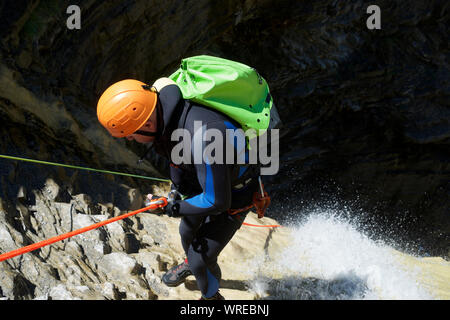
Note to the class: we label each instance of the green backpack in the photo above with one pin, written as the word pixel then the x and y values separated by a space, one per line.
pixel 230 87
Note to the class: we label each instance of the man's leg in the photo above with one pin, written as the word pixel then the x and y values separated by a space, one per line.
pixel 188 228
pixel 212 236
pixel 189 225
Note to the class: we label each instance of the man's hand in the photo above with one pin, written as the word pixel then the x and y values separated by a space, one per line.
pixel 171 209
pixel 148 201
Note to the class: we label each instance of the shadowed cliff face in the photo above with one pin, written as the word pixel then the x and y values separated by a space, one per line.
pixel 366 112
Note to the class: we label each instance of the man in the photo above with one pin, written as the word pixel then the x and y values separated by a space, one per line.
pixel 214 192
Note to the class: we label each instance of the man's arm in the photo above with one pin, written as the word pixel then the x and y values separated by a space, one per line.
pixel 214 179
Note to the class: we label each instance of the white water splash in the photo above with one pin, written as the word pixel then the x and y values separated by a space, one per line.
pixel 328 258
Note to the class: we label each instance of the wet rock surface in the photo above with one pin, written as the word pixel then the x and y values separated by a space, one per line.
pixel 365 112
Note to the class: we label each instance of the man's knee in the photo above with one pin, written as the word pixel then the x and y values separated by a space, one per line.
pixel 184 230
pixel 187 230
pixel 200 263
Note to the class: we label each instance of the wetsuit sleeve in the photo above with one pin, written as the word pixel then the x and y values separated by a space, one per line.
pixel 214 179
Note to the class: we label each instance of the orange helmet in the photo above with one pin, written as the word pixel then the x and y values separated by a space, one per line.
pixel 125 107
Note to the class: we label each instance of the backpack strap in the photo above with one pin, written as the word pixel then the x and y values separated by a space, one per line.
pixel 187 106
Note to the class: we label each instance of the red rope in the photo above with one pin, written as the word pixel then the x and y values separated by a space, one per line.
pixel 47 242
pixel 262 226
pixel 38 245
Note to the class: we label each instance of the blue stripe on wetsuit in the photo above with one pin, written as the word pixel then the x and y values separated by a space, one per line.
pixel 242 169
pixel 207 198
pixel 213 285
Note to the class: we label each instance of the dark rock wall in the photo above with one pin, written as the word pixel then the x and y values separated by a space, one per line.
pixel 366 112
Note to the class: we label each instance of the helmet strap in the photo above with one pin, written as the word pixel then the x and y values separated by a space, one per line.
pixel 150 88
pixel 159 129
pixel 146 133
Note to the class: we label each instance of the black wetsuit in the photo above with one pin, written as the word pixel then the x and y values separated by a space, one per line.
pixel 211 188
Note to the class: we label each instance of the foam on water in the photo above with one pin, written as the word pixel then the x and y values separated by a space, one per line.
pixel 328 258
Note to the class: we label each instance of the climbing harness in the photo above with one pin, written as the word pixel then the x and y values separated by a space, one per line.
pixel 261 201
